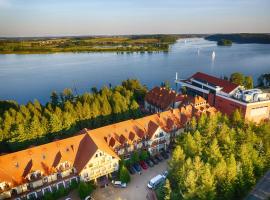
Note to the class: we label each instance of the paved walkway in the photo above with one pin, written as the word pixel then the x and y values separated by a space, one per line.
pixel 262 189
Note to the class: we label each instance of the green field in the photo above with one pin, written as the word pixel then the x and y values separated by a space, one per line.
pixel 146 43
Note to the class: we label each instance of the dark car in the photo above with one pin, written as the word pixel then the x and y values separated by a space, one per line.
pixel 164 155
pixel 149 163
pixel 137 167
pixel 143 165
pixel 154 160
pixel 131 170
pixel 159 157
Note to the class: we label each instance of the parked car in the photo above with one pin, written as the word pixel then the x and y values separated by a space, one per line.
pixel 154 160
pixel 143 165
pixel 137 167
pixel 156 181
pixel 164 155
pixel 165 174
pixel 159 157
pixel 131 169
pixel 149 163
pixel 89 198
pixel 119 184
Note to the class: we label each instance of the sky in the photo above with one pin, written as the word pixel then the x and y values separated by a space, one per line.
pixel 118 17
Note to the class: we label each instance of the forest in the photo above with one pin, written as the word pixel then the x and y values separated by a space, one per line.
pixel 241 38
pixel 218 158
pixel 66 114
pixel 140 43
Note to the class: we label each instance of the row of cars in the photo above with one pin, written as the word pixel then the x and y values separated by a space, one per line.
pixel 150 162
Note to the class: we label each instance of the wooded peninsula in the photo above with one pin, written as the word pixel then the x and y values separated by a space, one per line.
pixel 241 38
pixel 138 43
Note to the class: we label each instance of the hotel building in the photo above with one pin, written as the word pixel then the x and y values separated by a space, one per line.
pixel 227 97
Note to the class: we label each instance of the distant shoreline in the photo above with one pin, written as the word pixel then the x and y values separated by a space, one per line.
pixel 128 44
pixel 241 38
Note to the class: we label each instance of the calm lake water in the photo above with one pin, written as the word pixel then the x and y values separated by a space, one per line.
pixel 26 77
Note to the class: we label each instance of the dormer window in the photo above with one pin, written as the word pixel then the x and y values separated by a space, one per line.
pixel 17 165
pixel 4 186
pixel 64 166
pixel 34 175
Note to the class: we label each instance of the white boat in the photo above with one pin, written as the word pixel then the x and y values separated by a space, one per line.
pixel 213 55
pixel 198 51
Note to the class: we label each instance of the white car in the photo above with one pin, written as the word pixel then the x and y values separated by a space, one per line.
pixel 165 174
pixel 119 184
pixel 89 198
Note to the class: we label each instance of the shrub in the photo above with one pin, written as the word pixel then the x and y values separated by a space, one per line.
pixel 85 189
pixel 124 174
pixel 144 155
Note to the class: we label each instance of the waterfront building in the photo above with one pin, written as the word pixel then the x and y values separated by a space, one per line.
pixel 226 97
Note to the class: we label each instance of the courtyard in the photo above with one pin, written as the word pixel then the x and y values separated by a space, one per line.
pixel 136 189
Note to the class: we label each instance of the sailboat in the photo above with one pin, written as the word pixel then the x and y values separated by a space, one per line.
pixel 198 51
pixel 213 55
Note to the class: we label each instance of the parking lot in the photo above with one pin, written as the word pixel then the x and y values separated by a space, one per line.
pixel 136 189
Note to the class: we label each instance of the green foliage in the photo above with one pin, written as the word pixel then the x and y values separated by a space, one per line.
pixel 129 44
pixel 167 190
pixel 166 84
pixel 124 174
pixel 56 194
pixel 144 155
pixel 264 80
pixel 160 192
pixel 66 114
pixel 237 78
pixel 248 82
pixel 240 79
pixel 223 42
pixel 223 164
pixel 85 189
pixel 134 157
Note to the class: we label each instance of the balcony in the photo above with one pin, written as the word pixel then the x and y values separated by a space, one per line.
pixel 31 189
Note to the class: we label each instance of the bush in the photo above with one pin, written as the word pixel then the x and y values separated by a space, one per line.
pixel 144 155
pixel 85 189
pixel 124 175
pixel 134 158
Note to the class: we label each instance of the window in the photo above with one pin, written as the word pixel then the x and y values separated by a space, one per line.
pixel 32 195
pixel 46 190
pixel 96 155
pixel 45 180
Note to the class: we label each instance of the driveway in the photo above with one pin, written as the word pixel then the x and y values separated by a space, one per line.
pixel 136 189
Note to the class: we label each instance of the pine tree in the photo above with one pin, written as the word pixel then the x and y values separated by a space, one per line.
pixel 167 190
pixel 54 98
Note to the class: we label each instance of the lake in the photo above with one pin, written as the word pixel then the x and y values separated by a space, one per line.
pixel 35 76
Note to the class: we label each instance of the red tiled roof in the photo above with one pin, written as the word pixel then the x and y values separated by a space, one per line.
pixel 79 149
pixel 226 85
pixel 160 97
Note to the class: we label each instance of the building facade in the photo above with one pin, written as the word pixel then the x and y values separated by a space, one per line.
pixel 227 97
